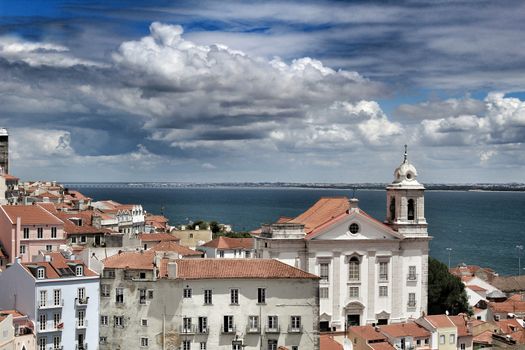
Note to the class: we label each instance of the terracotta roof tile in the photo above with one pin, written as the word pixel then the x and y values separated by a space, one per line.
pixel 440 321
pixel 476 288
pixel 172 246
pixel 508 306
pixel 509 326
pixel 328 343
pixel 50 207
pixel 238 268
pixel 324 210
pixel 157 237
pixel 143 260
pixel 58 267
pixel 283 220
pixel 382 346
pixel 405 329
pixel 461 324
pixel 230 243
pixel 483 338
pixel 30 215
pixel 368 333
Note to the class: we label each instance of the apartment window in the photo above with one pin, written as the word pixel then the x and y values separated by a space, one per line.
pixel 150 293
pixel 207 296
pixel 144 322
pixel 253 323
pixel 119 295
pixel 412 273
pixel 56 342
pixel 119 321
pixel 323 292
pixel 22 249
pixel 82 239
pixel 26 232
pixel 426 341
pixel 41 273
pixel 452 338
pixel 272 344
pixel 186 345
pixel 104 321
pixel 144 342
pixel 40 232
pixel 236 346
pixel 142 296
pixel 462 346
pixel 273 322
pixel 441 339
pixel 324 271
pixel 53 232
pixel 202 345
pixel 418 342
pixel 228 324
pixel 79 270
pixel 104 290
pixel 234 296
pixel 411 299
pixel 383 271
pixel 383 291
pixel 353 292
pixel 42 344
pixel 247 254
pixel 49 247
pixel 186 324
pixel 142 275
pixel 56 320
pixel 81 294
pixel 221 253
pixel 43 297
pixel 81 318
pixel 186 293
pixel 103 340
pixel 295 347
pixel 73 239
pixel 42 319
pixel 261 295
pixel 295 323
pixel 353 269
pixel 57 297
pixel 203 324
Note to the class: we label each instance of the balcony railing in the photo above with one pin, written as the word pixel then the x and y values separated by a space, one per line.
pixel 81 301
pixel 273 329
pixel 250 329
pixel 202 330
pixel 412 277
pixel 229 330
pixel 53 305
pixel 81 323
pixel 383 277
pixel 411 304
pixel 81 346
pixel 188 329
pixel 292 329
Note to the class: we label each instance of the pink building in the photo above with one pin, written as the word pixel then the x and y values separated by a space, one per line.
pixel 27 229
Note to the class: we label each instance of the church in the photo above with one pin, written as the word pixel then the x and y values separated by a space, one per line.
pixel 372 271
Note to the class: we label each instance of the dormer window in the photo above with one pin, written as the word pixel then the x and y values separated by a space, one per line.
pixel 79 270
pixel 41 273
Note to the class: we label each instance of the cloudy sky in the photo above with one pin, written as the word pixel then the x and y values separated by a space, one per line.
pixel 263 91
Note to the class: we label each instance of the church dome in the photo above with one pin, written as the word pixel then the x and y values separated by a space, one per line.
pixel 406 173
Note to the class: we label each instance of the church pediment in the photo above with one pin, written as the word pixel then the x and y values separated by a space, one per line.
pixel 356 225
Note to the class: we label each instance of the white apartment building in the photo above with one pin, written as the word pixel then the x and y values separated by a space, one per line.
pixel 226 247
pixel 371 271
pixel 154 302
pixel 124 218
pixel 60 296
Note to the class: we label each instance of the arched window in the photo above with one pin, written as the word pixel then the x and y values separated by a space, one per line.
pixel 393 209
pixel 353 269
pixel 410 209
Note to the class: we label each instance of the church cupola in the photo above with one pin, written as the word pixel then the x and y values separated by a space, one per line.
pixel 405 201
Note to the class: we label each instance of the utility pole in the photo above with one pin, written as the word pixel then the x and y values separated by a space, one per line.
pixel 519 249
pixel 449 252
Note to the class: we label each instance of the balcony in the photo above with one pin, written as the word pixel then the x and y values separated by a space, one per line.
pixel 229 330
pixel 46 305
pixel 81 302
pixel 81 324
pixel 48 329
pixel 253 330
pixel 292 329
pixel 273 329
pixel 412 277
pixel 202 330
pixel 81 346
pixel 411 304
pixel 187 329
pixel 383 277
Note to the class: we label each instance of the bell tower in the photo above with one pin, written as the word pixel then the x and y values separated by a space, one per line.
pixel 405 201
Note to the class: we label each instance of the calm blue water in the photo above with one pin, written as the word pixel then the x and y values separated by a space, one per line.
pixel 482 228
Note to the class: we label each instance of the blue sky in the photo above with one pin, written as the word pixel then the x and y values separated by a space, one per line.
pixel 263 91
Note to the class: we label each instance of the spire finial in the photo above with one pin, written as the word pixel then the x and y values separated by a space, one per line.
pixel 405 160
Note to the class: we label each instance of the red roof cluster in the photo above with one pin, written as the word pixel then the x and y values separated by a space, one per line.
pixel 230 243
pixel 30 215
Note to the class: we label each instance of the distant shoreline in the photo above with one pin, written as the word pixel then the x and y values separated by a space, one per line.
pixel 375 186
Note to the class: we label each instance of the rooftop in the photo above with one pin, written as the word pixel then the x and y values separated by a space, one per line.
pixel 30 215
pixel 230 243
pixel 440 321
pixel 58 267
pixel 157 237
pixel 143 260
pixel 405 329
pixel 172 246
pixel 328 343
pixel 368 333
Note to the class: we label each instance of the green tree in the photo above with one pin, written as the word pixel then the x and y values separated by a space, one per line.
pixel 446 292
pixel 214 227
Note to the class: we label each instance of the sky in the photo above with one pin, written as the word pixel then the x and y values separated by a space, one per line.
pixel 292 91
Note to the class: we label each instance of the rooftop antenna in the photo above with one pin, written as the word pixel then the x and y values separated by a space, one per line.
pixel 353 191
pixel 406 153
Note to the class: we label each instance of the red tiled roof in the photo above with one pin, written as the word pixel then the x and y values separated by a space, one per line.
pixel 143 260
pixel 509 326
pixel 461 324
pixel 172 246
pixel 483 338
pixel 50 207
pixel 58 267
pixel 440 321
pixel 324 210
pixel 508 306
pixel 283 220
pixel 15 313
pixel 238 268
pixel 382 346
pixel 230 243
pixel 405 329
pixel 71 228
pixel 30 215
pixel 328 343
pixel 10 177
pixel 368 333
pixel 48 195
pixel 476 288
pixel 157 237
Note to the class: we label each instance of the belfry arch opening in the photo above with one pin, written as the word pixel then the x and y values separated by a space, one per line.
pixel 393 209
pixel 411 210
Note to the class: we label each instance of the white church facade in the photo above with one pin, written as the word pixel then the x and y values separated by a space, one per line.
pixel 372 272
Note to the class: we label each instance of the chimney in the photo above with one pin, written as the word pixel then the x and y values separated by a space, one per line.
pixel 354 203
pixel 172 269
